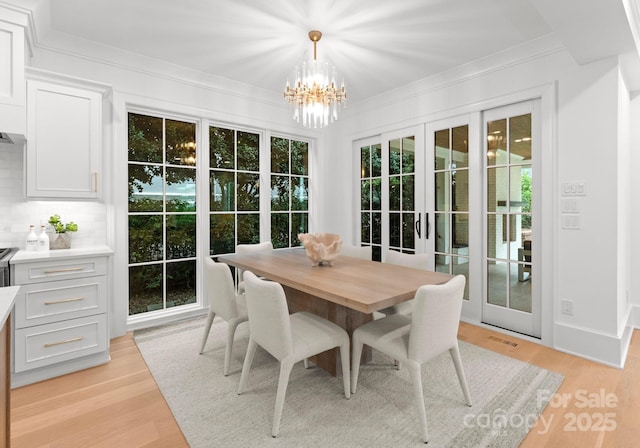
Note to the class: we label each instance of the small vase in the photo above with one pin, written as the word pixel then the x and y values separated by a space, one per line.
pixel 60 241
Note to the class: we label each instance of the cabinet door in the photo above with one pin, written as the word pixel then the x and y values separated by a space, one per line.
pixel 12 90
pixel 64 139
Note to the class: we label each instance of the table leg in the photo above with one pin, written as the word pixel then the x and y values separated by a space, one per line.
pixel 343 316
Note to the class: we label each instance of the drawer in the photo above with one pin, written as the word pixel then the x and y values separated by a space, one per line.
pixel 48 344
pixel 42 271
pixel 43 303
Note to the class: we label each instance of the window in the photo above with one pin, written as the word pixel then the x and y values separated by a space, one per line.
pixel 234 189
pixel 161 213
pixel 370 198
pixel 289 191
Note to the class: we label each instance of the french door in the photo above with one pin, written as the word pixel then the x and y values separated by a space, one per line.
pixel 511 297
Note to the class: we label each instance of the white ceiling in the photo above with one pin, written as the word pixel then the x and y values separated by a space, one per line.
pixel 376 45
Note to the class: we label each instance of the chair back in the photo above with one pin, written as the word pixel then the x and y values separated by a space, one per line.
pixel 269 321
pixel 220 289
pixel 435 319
pixel 252 248
pixel 416 261
pixel 349 250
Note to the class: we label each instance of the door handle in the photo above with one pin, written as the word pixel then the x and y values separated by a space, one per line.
pixel 426 218
pixel 418 226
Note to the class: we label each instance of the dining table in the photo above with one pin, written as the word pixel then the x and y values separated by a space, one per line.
pixel 347 291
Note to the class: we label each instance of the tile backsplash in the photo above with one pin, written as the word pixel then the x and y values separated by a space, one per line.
pixel 17 212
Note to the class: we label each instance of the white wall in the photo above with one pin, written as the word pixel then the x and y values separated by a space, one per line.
pixel 590 147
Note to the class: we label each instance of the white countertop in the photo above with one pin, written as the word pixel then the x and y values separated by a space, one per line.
pixel 7 299
pixel 24 256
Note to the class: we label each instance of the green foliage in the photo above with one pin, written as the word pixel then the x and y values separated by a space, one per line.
pixel 526 187
pixel 60 227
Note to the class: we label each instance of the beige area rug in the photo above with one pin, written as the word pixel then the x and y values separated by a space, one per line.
pixel 506 401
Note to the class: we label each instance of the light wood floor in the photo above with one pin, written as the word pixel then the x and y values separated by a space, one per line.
pixel 119 404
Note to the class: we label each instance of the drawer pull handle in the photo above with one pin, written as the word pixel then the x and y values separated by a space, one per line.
pixel 79 338
pixel 55 271
pixel 74 299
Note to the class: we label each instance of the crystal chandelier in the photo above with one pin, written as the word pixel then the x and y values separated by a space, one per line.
pixel 315 96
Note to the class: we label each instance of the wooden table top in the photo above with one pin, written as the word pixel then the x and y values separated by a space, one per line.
pixel 362 285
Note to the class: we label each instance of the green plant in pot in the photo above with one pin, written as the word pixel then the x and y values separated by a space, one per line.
pixel 60 237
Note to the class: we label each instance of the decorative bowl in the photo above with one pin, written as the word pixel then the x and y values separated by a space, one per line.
pixel 321 248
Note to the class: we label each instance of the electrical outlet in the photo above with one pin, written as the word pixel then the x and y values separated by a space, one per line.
pixel 567 307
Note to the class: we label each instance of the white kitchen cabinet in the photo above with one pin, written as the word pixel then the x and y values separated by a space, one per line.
pixel 60 315
pixel 64 137
pixel 12 89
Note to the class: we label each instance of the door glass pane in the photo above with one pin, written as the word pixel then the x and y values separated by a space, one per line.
pixel 520 291
pixel 365 161
pixel 408 188
pixel 376 194
pixel 443 262
pixel 497 181
pixel 497 282
pixel 520 139
pixel 408 155
pixel 376 228
pixel 442 232
pixel 394 229
pixel 365 194
pixel 442 191
pixel 394 193
pixel 460 232
pixel 496 142
pixel 460 190
pixel 460 147
pixel 376 160
pixel 365 227
pixel 394 156
pixel 442 153
pixel 408 235
pixel 460 266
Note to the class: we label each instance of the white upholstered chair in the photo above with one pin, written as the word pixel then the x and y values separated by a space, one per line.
pixel 223 302
pixel 244 249
pixel 416 261
pixel 430 330
pixel 349 250
pixel 288 338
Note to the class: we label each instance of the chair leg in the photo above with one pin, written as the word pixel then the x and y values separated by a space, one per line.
pixel 457 362
pixel 306 363
pixel 418 395
pixel 346 376
pixel 248 359
pixel 207 329
pixel 283 381
pixel 231 331
pixel 355 362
